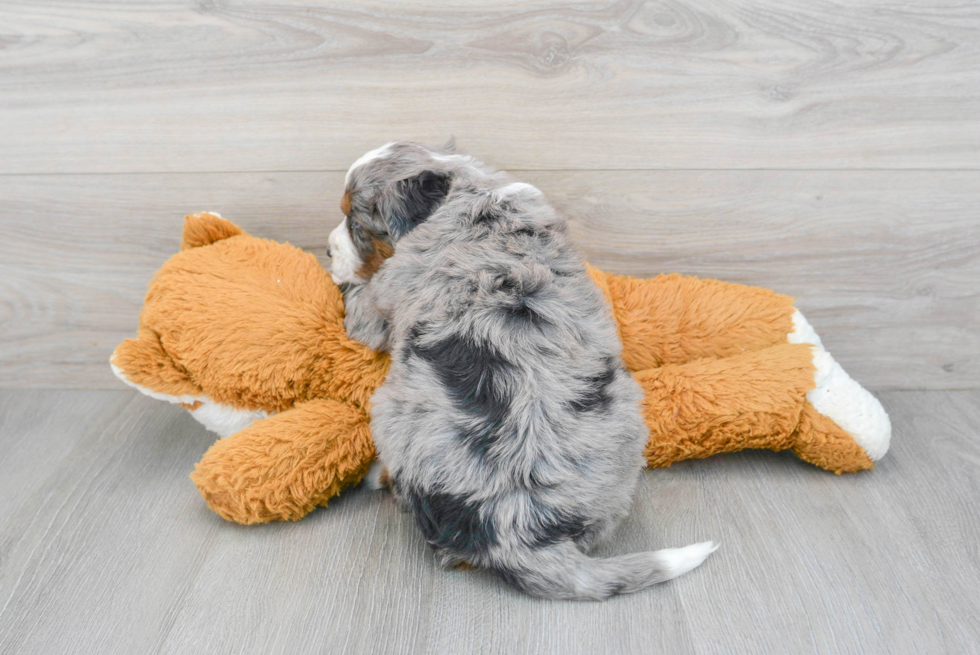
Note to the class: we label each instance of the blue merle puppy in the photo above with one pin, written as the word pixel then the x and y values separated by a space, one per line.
pixel 507 425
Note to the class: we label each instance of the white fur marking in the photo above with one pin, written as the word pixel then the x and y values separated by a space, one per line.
pixel 678 561
pixel 518 187
pixel 373 478
pixel 851 406
pixel 366 157
pixel 803 332
pixel 344 258
pixel 224 420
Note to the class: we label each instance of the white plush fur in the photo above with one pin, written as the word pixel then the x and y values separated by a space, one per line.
pixel 851 406
pixel 344 258
pixel 186 399
pixel 223 420
pixel 226 420
pixel 838 397
pixel 803 332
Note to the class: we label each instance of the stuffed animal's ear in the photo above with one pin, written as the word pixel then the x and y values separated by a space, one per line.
pixel 205 228
pixel 407 203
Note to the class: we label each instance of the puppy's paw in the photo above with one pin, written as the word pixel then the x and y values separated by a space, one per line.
pixel 377 477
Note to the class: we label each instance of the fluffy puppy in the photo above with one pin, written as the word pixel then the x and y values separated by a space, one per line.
pixel 507 424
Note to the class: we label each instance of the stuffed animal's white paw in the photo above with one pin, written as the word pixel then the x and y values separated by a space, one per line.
pixel 851 406
pixel 838 397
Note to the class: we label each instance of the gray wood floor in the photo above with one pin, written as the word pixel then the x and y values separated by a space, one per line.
pixel 106 548
pixel 829 150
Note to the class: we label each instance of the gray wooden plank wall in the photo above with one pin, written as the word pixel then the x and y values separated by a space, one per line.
pixel 256 85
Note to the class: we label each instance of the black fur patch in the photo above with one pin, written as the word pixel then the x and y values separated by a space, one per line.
pixel 616 588
pixel 552 526
pixel 416 198
pixel 596 395
pixel 523 313
pixel 512 576
pixel 482 437
pixel 507 284
pixel 516 309
pixel 487 216
pixel 452 521
pixel 473 374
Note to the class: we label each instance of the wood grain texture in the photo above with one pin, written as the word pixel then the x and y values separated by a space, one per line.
pixel 106 547
pixel 107 86
pixel 885 264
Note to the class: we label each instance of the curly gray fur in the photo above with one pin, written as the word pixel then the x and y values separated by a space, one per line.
pixel 508 424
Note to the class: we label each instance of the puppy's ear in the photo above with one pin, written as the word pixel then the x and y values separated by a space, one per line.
pixel 407 203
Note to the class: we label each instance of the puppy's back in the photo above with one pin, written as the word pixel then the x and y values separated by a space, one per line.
pixel 509 424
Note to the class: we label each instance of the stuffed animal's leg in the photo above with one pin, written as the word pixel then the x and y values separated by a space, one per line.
pixel 283 466
pixel 712 406
pixel 753 400
pixel 673 319
pixel 837 407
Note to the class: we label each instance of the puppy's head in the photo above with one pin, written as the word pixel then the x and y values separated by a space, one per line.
pixel 388 192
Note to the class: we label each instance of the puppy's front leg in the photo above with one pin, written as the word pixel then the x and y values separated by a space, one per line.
pixel 364 320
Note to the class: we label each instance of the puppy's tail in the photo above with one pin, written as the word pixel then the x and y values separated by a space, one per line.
pixel 563 572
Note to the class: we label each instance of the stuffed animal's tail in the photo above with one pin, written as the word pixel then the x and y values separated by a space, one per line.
pixel 205 228
pixel 562 571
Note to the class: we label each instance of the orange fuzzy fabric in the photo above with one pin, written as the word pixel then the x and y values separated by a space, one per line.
pixel 254 324
pixel 282 467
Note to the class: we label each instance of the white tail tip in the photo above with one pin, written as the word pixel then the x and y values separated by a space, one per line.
pixel 678 561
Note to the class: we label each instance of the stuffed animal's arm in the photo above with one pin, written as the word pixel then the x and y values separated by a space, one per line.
pixel 283 466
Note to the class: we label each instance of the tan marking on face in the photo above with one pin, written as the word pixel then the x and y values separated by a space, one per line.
pixel 345 203
pixel 380 251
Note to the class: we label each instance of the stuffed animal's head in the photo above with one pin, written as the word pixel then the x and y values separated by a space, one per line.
pixel 236 328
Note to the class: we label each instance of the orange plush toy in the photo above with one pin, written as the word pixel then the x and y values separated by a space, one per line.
pixel 248 335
